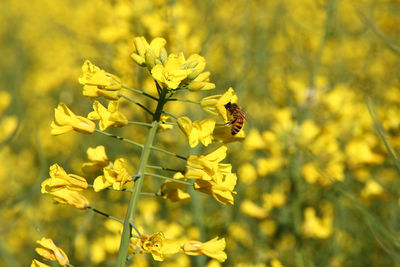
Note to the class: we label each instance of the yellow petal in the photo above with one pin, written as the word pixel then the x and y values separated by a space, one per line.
pixel 36 263
pixel 157 72
pixel 101 183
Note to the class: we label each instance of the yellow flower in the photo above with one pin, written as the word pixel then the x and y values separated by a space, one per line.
pixel 253 210
pixel 276 263
pixel 36 263
pixel 315 227
pixel 273 200
pixel 360 151
pixel 149 54
pixel 5 100
pixel 98 82
pixel 197 131
pixel 201 82
pixel 254 141
pixel 224 134
pixel 72 198
pixel 213 248
pixel 98 159
pixel 114 174
pixel 247 173
pixel 8 126
pixel 60 179
pixel 221 187
pixel 174 191
pixel 196 79
pixel 196 64
pixel 155 244
pixel 200 85
pixel 65 120
pixel 50 251
pixel 164 126
pixel 215 104
pixel 372 189
pixel 269 165
pixel 108 117
pixel 205 167
pixel 171 74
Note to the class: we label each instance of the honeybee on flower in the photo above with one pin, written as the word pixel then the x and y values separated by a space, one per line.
pixel 238 117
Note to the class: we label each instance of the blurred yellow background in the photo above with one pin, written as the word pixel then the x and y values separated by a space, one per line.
pixel 316 183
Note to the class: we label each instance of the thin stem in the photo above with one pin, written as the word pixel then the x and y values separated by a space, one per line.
pixel 149 194
pixel 295 205
pixel 131 212
pixel 167 178
pixel 162 168
pixel 112 189
pixel 317 63
pixel 184 100
pixel 170 114
pixel 167 152
pixel 158 87
pixel 140 123
pixel 140 92
pixel 168 122
pixel 104 214
pixel 120 138
pixel 136 230
pixel 137 103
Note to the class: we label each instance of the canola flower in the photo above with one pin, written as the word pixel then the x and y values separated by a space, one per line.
pixel 49 251
pixel 205 173
pixel 352 52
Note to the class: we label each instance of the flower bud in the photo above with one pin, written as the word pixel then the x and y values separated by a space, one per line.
pixel 195 86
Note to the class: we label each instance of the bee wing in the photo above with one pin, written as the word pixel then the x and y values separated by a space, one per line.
pixel 244 114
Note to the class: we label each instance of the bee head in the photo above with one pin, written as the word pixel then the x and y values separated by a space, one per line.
pixel 228 105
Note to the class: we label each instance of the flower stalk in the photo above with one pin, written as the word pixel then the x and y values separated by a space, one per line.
pixel 140 92
pixel 137 103
pixel 168 152
pixel 120 138
pixel 130 215
pixel 167 178
pixel 171 73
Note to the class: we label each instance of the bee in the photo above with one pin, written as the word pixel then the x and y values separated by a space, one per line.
pixel 238 116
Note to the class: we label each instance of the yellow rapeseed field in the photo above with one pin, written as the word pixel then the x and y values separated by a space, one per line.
pixel 200 133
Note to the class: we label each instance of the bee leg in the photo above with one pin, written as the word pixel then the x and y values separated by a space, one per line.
pixel 230 123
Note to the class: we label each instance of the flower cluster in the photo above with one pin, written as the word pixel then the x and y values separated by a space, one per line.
pixel 64 187
pixel 159 246
pixel 49 251
pixel 205 173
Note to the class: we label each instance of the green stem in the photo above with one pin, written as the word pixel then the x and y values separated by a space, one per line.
pixel 137 103
pixel 140 92
pixel 139 123
pixel 119 138
pixel 328 24
pixel 149 194
pixel 167 152
pixel 104 214
pixel 162 168
pixel 110 188
pixel 184 100
pixel 295 205
pixel 130 215
pixel 198 215
pixel 170 114
pixel 167 178
pixel 168 122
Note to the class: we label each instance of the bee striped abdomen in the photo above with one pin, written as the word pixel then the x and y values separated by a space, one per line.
pixel 237 125
pixel 238 117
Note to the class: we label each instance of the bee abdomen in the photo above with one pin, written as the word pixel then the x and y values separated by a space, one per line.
pixel 237 126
